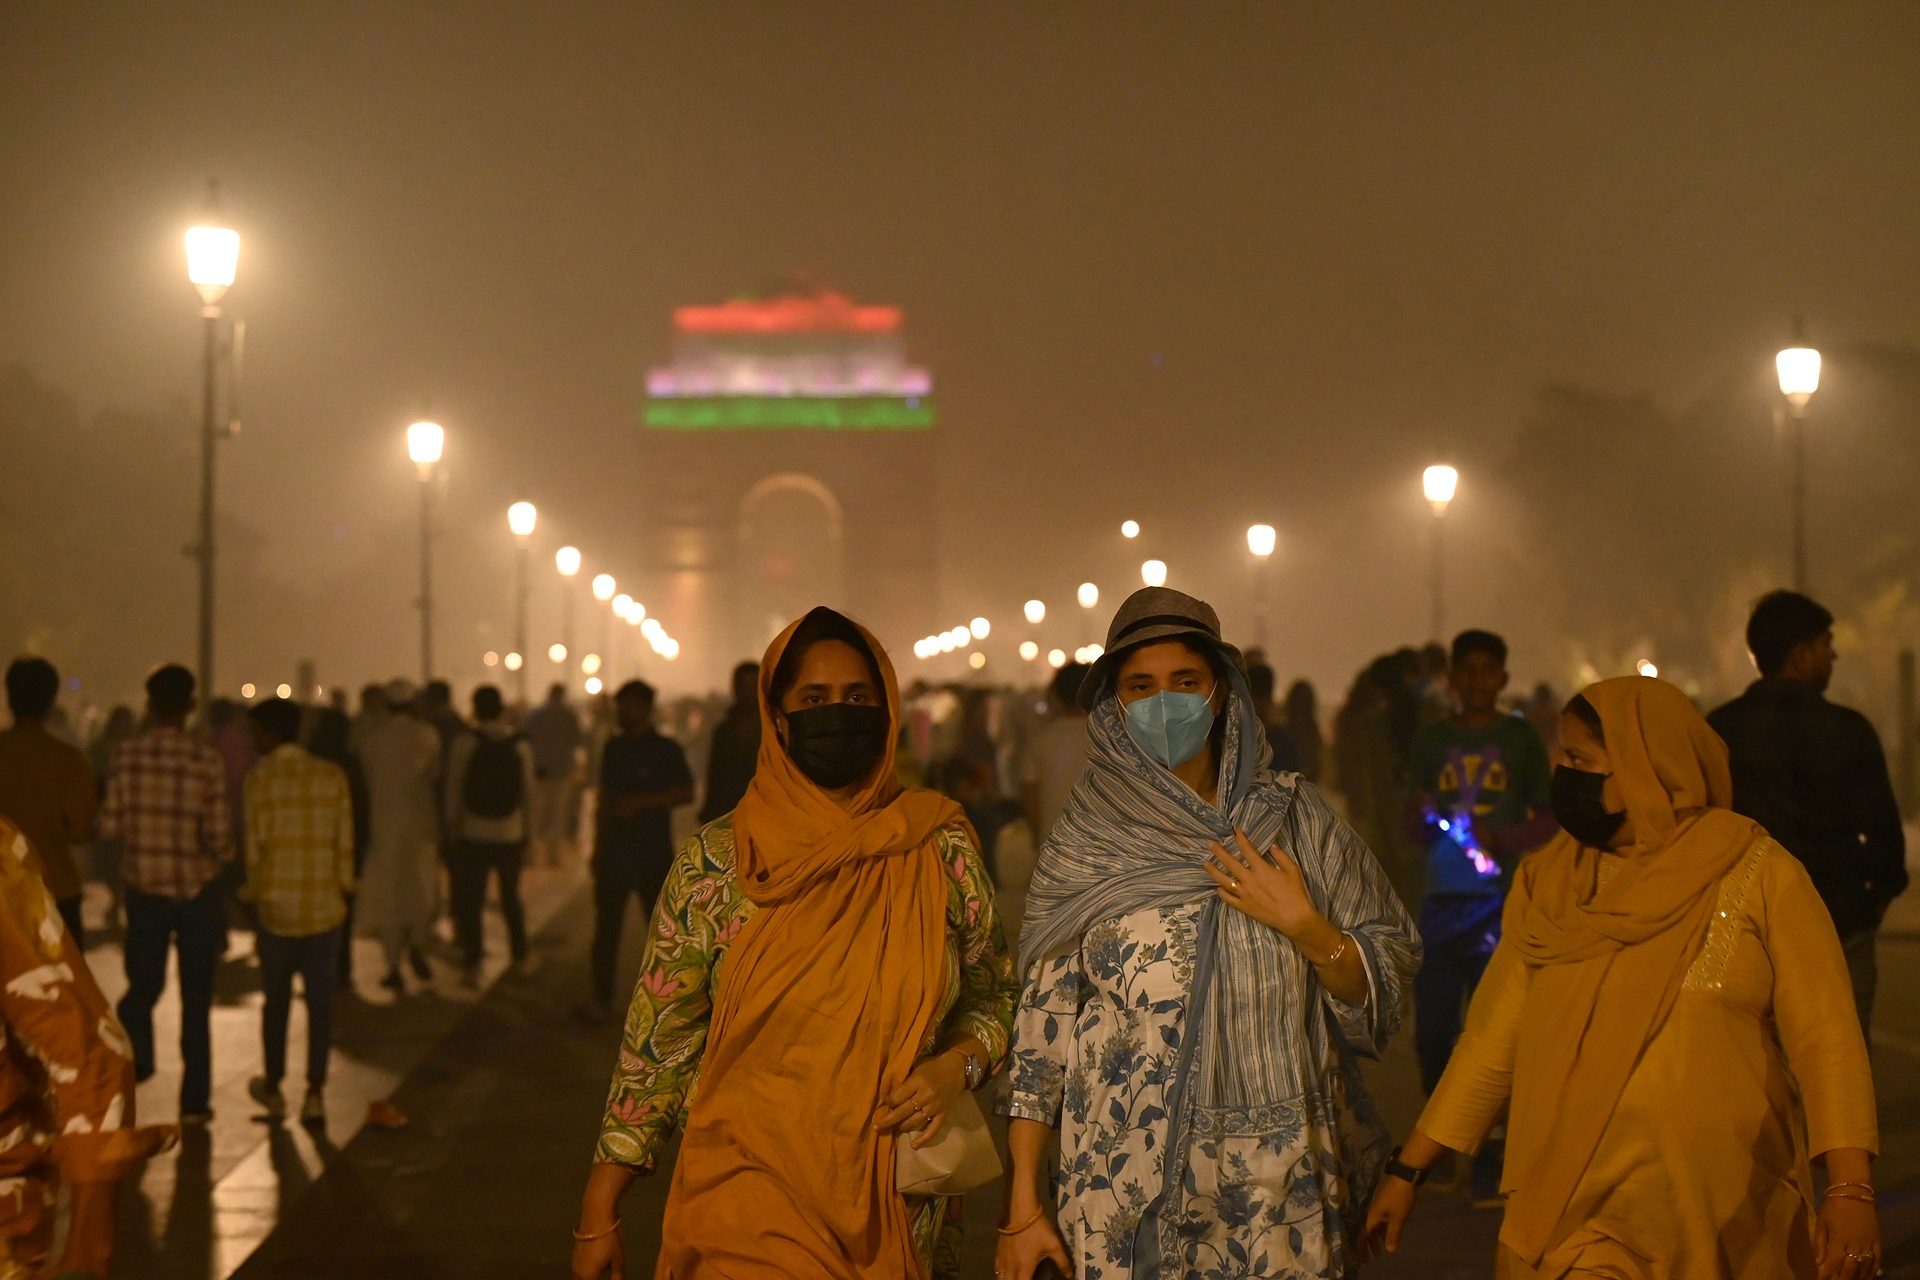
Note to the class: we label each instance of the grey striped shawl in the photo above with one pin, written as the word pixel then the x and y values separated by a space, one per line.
pixel 1134 837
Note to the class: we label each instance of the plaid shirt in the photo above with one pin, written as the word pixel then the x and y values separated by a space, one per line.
pixel 167 799
pixel 299 842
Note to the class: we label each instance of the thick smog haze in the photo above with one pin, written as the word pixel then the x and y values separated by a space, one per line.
pixel 1200 267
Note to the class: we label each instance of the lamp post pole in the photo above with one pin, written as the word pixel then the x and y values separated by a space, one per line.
pixel 1439 483
pixel 1798 367
pixel 213 253
pixel 425 443
pixel 521 520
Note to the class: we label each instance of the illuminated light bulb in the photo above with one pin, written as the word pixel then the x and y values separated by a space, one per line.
pixel 1029 651
pixel 426 444
pixel 556 652
pixel 980 628
pixel 603 587
pixel 1154 573
pixel 947 642
pixel 491 659
pixel 514 662
pixel 1440 483
pixel 283 691
pixel 1089 595
pixel 977 660
pixel 1799 370
pixel 1647 668
pixel 567 561
pixel 1095 652
pixel 247 690
pixel 622 605
pixel 590 664
pixel 594 685
pixel 1036 611
pixel 1056 658
pixel 522 517
pixel 651 628
pixel 213 259
pixel 1262 539
pixel 1129 528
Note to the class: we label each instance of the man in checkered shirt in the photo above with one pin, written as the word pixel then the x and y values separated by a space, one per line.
pixel 167 801
pixel 299 855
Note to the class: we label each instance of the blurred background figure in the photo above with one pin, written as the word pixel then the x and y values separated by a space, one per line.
pixel 735 746
pixel 553 732
pixel 1056 751
pixel 400 754
pixel 47 787
pixel 490 790
pixel 1300 717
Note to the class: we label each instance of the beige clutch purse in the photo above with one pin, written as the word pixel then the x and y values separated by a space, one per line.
pixel 960 1159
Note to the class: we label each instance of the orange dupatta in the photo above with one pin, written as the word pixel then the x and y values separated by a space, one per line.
pixel 1608 963
pixel 828 994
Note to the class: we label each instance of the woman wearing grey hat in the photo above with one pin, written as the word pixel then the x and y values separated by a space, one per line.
pixel 1207 951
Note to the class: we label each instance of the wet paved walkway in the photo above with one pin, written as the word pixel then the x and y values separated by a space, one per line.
pixel 504 1095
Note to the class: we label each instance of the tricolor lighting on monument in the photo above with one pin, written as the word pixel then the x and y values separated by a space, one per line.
pixel 801 359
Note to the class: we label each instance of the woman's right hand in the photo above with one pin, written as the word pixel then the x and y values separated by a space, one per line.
pixel 1387 1218
pixel 1019 1255
pixel 600 1259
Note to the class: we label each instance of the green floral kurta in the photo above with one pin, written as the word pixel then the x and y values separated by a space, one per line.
pixel 700 912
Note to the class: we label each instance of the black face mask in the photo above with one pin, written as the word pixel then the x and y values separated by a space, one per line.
pixel 839 744
pixel 1580 808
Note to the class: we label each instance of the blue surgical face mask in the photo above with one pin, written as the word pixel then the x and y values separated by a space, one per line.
pixel 1171 727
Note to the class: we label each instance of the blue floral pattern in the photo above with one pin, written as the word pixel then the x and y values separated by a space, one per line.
pixel 1267 1191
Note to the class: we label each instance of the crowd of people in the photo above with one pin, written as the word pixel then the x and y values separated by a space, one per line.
pixel 1629 937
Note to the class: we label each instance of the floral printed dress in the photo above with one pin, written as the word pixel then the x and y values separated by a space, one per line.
pixel 1096 1044
pixel 700 912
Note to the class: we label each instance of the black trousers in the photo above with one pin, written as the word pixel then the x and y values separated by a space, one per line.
pixel 469 863
pixel 617 876
pixel 315 957
pixel 197 929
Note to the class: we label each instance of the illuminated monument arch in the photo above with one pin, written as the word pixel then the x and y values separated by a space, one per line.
pixel 789 461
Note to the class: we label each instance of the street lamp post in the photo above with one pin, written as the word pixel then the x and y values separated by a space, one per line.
pixel 567 561
pixel 1439 483
pixel 521 519
pixel 426 442
pixel 603 590
pixel 1799 370
pixel 1261 540
pixel 213 253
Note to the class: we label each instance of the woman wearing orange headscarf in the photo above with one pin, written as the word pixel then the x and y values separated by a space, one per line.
pixel 1668 1012
pixel 825 975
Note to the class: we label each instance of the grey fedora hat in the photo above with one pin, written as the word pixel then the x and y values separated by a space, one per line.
pixel 1152 614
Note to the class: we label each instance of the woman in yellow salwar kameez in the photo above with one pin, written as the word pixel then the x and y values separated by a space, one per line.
pixel 1669 1017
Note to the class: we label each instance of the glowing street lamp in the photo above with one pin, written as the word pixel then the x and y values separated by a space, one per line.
pixel 567 561
pixel 1029 651
pixel 426 445
pixel 1799 371
pixel 1439 483
pixel 1154 573
pixel 213 257
pixel 1089 595
pixel 1261 540
pixel 980 628
pixel 1036 611
pixel 603 587
pixel 1129 529
pixel 1056 658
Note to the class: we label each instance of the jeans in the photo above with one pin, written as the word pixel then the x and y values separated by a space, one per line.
pixel 1447 977
pixel 315 958
pixel 1863 966
pixel 617 876
pixel 468 866
pixel 196 927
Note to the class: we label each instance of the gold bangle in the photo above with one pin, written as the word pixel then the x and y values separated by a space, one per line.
pixel 1014 1231
pixel 1338 951
pixel 1851 1195
pixel 1864 1186
pixel 598 1235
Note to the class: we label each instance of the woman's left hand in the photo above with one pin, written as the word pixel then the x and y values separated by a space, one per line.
pixel 1269 888
pixel 1847 1239
pixel 919 1105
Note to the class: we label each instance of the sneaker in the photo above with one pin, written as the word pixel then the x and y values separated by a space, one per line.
pixel 196 1119
pixel 267 1093
pixel 417 961
pixel 314 1110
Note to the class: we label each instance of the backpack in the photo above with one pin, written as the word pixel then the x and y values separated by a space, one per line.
pixel 493 785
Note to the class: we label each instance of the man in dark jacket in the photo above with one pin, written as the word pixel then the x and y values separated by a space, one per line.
pixel 736 746
pixel 1814 776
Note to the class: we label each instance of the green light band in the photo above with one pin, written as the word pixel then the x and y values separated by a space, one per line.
pixel 789 413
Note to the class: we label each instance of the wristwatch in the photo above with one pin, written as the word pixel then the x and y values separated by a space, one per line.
pixel 1406 1173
